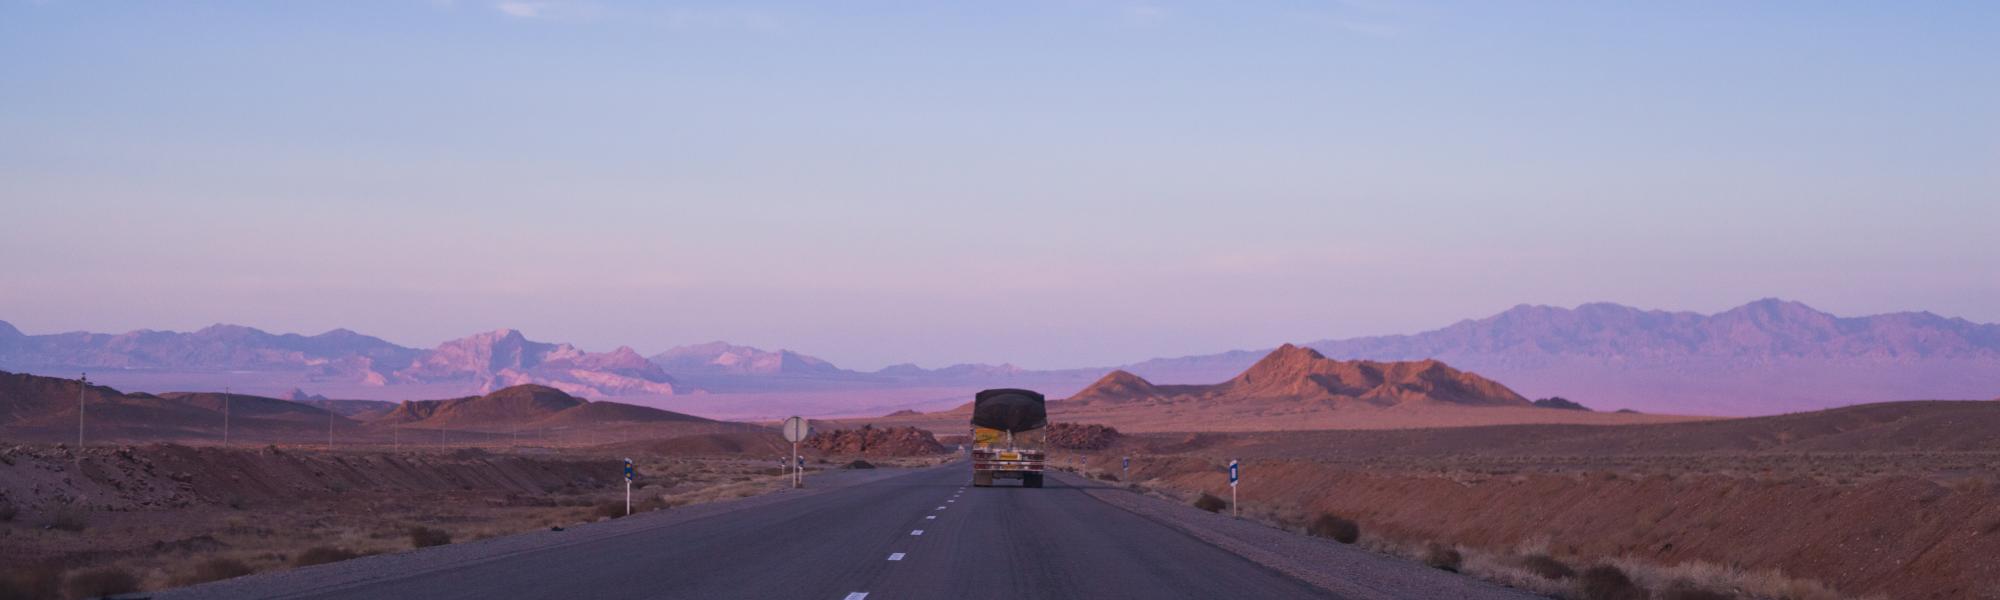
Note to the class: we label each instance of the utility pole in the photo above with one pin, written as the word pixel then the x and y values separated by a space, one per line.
pixel 82 385
pixel 329 427
pixel 396 436
pixel 225 417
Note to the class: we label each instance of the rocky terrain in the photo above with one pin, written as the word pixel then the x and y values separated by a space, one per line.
pixel 1072 436
pixel 873 441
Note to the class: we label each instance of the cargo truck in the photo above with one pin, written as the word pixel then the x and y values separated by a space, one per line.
pixel 1009 434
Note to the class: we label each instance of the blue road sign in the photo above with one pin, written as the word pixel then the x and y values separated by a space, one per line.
pixel 1128 462
pixel 1232 473
pixel 628 470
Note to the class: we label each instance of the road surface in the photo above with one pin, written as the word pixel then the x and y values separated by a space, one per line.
pixel 921 534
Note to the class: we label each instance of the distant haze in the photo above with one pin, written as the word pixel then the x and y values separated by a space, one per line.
pixel 1052 184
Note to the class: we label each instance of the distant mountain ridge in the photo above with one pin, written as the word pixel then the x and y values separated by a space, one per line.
pixel 1763 357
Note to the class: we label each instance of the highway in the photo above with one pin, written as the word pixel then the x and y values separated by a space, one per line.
pixel 869 535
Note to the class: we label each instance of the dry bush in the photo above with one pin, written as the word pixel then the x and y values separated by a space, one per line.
pixel 1684 590
pixel 1440 556
pixel 8 511
pixel 32 582
pixel 608 510
pixel 101 582
pixel 425 537
pixel 1547 567
pixel 69 518
pixel 1735 581
pixel 214 569
pixel 1606 582
pixel 319 555
pixel 1329 525
pixel 1210 503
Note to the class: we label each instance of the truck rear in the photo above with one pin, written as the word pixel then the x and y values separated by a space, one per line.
pixel 1009 435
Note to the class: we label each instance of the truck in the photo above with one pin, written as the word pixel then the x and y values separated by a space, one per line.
pixel 1009 435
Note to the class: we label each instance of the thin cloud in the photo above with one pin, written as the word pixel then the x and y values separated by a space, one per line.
pixel 532 9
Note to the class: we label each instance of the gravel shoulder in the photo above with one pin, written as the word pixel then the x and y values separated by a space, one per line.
pixel 1330 565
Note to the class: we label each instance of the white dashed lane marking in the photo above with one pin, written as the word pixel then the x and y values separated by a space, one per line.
pixel 858 596
pixel 916 532
pixel 930 516
pixel 896 556
pixel 940 508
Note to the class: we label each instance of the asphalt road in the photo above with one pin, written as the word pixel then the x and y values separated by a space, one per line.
pixel 925 534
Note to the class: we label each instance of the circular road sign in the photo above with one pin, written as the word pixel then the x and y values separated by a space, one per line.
pixel 796 429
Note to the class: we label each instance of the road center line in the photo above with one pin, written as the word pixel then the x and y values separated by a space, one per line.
pixel 858 596
pixel 930 516
pixel 896 556
pixel 916 532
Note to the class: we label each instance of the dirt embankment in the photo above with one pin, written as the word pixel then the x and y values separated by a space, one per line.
pixel 167 476
pixel 166 515
pixel 869 440
pixel 1896 500
pixel 1902 536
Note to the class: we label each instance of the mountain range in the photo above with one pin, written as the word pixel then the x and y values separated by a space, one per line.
pixel 1763 357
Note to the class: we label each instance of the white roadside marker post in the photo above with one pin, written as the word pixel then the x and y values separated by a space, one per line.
pixel 628 487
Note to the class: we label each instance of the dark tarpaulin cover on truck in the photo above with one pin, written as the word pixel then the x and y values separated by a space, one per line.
pixel 1009 410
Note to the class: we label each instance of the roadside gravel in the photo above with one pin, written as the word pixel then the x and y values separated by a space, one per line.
pixel 1324 563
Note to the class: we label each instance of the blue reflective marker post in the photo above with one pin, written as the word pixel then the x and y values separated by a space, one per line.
pixel 628 487
pixel 1128 469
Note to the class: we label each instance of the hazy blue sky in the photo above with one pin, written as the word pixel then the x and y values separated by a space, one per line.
pixel 1060 183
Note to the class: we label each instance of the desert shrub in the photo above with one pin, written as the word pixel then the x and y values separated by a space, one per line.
pixel 98 583
pixel 32 582
pixel 235 502
pixel 1606 582
pixel 214 569
pixel 1329 525
pixel 1547 567
pixel 425 537
pixel 1210 503
pixel 319 555
pixel 1440 556
pixel 1112 477
pixel 609 510
pixel 860 464
pixel 1686 590
pixel 7 512
pixel 69 518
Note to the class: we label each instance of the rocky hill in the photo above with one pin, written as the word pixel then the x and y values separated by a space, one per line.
pixel 524 405
pixel 1302 375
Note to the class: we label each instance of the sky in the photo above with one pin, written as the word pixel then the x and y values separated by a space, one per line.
pixel 1055 183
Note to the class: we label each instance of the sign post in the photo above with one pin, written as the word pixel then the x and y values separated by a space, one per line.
pixel 1128 469
pixel 795 432
pixel 1232 488
pixel 628 487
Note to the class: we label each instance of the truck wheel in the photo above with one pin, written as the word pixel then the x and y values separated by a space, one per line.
pixel 982 479
pixel 1033 480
